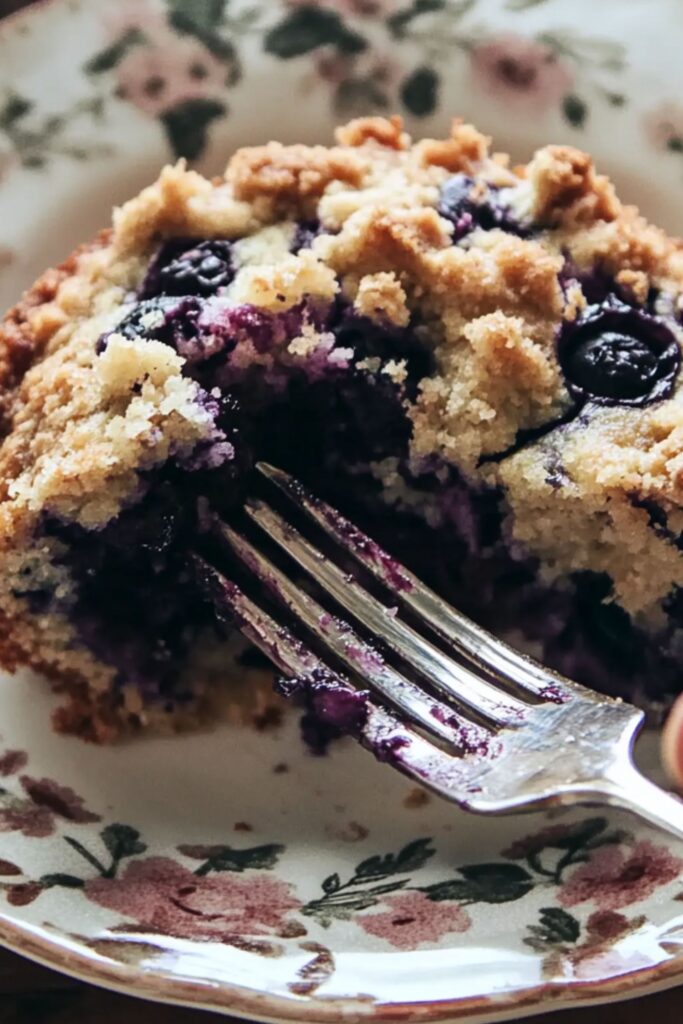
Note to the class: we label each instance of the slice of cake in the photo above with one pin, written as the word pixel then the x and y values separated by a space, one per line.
pixel 479 364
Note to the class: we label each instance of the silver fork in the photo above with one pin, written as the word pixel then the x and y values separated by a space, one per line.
pixel 482 725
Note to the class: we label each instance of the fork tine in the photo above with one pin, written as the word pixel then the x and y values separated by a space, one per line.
pixel 431 715
pixel 388 738
pixel 485 651
pixel 290 655
pixel 275 641
pixel 449 677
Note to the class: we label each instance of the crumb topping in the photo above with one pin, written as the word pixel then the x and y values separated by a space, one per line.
pixel 491 302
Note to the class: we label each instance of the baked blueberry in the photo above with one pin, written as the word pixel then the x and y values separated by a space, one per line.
pixel 305 233
pixel 469 204
pixel 169 319
pixel 198 268
pixel 619 354
pixel 456 204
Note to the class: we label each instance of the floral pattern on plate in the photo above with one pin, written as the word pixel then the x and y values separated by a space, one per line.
pixel 529 74
pixel 177 61
pixel 234 895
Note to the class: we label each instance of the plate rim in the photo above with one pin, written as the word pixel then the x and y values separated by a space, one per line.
pixel 158 985
pixel 52 950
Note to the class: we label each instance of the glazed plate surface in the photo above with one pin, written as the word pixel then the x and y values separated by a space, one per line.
pixel 230 869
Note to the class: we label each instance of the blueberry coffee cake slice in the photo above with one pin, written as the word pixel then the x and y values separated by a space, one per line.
pixel 478 363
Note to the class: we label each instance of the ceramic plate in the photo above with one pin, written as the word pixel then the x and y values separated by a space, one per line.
pixel 230 869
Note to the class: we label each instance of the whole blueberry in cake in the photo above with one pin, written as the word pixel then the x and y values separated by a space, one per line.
pixel 479 365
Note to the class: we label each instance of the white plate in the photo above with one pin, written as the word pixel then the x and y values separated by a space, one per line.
pixel 195 870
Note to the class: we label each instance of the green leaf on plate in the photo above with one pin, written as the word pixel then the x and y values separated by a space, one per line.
pixel 15 107
pixel 420 91
pixel 66 881
pixel 457 889
pixel 398 22
pixel 498 882
pixel 225 858
pixel 414 855
pixel 575 110
pixel 187 125
pixel 580 834
pixel 560 923
pixel 108 58
pixel 331 883
pixel 410 858
pixel 203 21
pixel 122 841
pixel 557 927
pixel 523 5
pixel 306 28
pixel 202 14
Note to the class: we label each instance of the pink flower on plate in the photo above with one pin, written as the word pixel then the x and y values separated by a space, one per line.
pixel 133 15
pixel 617 876
pixel 169 71
pixel 46 803
pixel 413 919
pixel 609 963
pixel 537 841
pixel 664 126
pixel 23 816
pixel 334 67
pixel 369 69
pixel 363 83
pixel 597 957
pixel 607 926
pixel 162 896
pixel 12 761
pixel 521 73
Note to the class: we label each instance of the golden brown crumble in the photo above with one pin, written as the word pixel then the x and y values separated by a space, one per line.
pixel 382 297
pixel 465 150
pixel 566 188
pixel 385 131
pixel 291 174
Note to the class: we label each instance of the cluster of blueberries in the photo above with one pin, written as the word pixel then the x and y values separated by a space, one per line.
pixel 616 352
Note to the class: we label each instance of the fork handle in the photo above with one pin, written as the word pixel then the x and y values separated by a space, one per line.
pixel 630 790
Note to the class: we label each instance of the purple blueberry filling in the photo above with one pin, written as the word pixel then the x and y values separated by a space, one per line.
pixel 462 203
pixel 598 286
pixel 332 709
pixel 658 520
pixel 305 234
pixel 325 417
pixel 135 609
